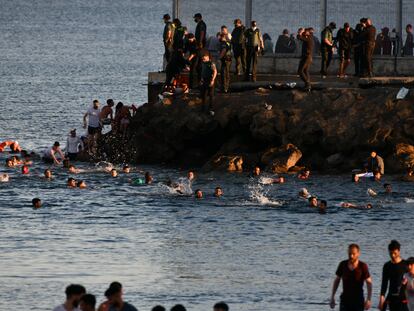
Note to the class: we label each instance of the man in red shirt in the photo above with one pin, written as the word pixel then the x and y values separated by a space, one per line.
pixel 353 274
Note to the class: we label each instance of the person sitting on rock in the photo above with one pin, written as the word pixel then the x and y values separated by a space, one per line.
pixel 375 162
pixel 304 174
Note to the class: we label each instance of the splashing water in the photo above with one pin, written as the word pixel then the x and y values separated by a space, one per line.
pixel 259 195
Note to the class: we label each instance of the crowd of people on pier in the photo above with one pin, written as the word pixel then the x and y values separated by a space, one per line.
pixel 397 288
pixel 199 54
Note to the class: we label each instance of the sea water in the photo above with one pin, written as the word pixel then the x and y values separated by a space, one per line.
pixel 258 247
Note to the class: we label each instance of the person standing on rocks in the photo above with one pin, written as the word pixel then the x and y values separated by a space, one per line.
pixel 369 40
pixel 392 274
pixel 238 43
pixel 225 58
pixel 306 60
pixel 344 37
pixel 167 39
pixel 327 46
pixel 254 44
pixel 208 78
pixel 353 273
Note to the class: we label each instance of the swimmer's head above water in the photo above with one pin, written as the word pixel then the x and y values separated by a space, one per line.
pixel 9 162
pixel 388 188
pixel 256 171
pixel 47 173
pixel 218 192
pixel 198 194
pixel 36 203
pixel 81 184
pixel 25 169
pixel 148 178
pixel 355 178
pixel 190 175
pixel 4 177
pixel 71 182
pixel 313 202
pixel 114 173
pixel 126 169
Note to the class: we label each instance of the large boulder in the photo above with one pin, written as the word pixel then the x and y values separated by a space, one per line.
pixel 405 153
pixel 281 159
pixel 229 163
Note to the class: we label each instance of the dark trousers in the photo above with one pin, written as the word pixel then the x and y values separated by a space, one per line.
pixel 207 90
pixel 72 156
pixel 225 74
pixel 394 303
pixel 239 53
pixel 193 77
pixel 303 70
pixel 369 52
pixel 351 305
pixel 251 61
pixel 167 53
pixel 325 61
pixel 358 53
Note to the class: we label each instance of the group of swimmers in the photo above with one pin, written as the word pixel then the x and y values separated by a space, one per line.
pixel 76 296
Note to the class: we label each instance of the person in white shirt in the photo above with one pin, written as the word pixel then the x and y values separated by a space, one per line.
pixel 49 155
pixel 93 124
pixel 74 293
pixel 72 145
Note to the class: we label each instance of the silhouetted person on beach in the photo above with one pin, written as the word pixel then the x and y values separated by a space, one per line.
pixel 238 43
pixel 306 59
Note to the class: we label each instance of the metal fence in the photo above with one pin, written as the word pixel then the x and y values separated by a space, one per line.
pixel 275 15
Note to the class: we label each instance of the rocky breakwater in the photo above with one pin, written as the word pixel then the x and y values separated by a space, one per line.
pixel 280 130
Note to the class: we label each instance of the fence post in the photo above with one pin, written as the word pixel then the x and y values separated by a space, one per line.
pixel 400 25
pixel 175 9
pixel 324 14
pixel 248 12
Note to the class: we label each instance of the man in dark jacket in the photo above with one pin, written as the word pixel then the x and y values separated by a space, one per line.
pixel 238 43
pixel 254 44
pixel 285 43
pixel 409 42
pixel 344 38
pixel 369 39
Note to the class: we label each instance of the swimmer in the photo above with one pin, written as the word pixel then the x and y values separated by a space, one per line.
pixel 355 178
pixel 388 188
pixel 16 160
pixel 190 176
pixel 148 178
pixel 304 193
pixel 13 145
pixel 198 194
pixel 280 180
pixel 313 202
pixel 72 169
pixel 323 205
pixel 37 203
pixel 377 176
pixel 81 184
pixel 66 162
pixel 351 205
pixel 256 171
pixel 49 155
pixel 409 176
pixel 4 177
pixel 25 170
pixel 304 174
pixel 126 169
pixel 114 173
pixel 9 162
pixel 27 160
pixel 218 192
pixel 47 174
pixel 71 182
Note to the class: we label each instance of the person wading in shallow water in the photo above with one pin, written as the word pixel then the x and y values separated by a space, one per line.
pixel 353 274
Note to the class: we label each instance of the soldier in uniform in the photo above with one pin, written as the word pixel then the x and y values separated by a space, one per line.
pixel 178 38
pixel 238 43
pixel 369 39
pixel 225 58
pixel 254 44
pixel 200 31
pixel 167 39
pixel 358 45
pixel 327 46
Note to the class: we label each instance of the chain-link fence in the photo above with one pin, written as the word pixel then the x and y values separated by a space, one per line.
pixel 275 15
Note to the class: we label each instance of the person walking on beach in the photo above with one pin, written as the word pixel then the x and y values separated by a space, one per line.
pixel 73 292
pixel 238 43
pixel 254 44
pixel 327 46
pixel 392 276
pixel 208 77
pixel 353 273
pixel 306 60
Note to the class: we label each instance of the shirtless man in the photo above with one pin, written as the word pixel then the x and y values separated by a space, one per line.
pixel 13 145
pixel 107 113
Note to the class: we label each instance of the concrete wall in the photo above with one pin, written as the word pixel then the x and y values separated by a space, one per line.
pixel 383 65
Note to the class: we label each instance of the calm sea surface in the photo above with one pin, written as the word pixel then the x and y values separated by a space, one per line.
pixel 258 248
